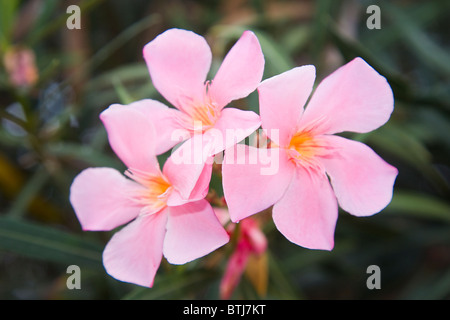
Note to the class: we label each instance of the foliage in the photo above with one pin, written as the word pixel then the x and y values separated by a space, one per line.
pixel 50 131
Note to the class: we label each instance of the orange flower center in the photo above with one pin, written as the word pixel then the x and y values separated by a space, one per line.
pixel 203 117
pixel 199 116
pixel 304 148
pixel 303 143
pixel 153 197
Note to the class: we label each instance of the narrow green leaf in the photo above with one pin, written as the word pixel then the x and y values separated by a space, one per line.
pixel 405 146
pixel 418 41
pixel 50 244
pixel 171 285
pixel 124 96
pixel 28 193
pixel 409 149
pixel 83 153
pixel 8 9
pixel 419 205
pixel 320 28
pixel 121 39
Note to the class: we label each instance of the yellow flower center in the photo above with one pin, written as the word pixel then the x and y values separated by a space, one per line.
pixel 199 116
pixel 202 117
pixel 153 197
pixel 304 149
pixel 303 143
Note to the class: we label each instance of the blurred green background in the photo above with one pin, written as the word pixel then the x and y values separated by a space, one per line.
pixel 50 131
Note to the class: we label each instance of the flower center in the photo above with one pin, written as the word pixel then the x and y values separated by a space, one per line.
pixel 303 143
pixel 155 192
pixel 199 116
pixel 203 117
pixel 304 149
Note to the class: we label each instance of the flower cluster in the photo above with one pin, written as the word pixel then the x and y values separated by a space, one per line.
pixel 312 169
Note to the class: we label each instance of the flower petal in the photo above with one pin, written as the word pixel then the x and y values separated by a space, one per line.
pixel 101 199
pixel 362 181
pixel 353 98
pixel 202 186
pixel 307 213
pixel 255 236
pixel 233 271
pixel 178 62
pixel 241 71
pixel 134 253
pixel 185 168
pixel 233 126
pixel 132 137
pixel 254 179
pixel 281 101
pixel 199 191
pixel 165 121
pixel 193 231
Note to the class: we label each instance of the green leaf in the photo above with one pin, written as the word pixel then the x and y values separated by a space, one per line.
pixel 323 10
pixel 84 153
pixel 428 286
pixel 27 193
pixel 406 147
pixel 50 244
pixel 418 41
pixel 172 285
pixel 419 205
pixel 8 9
pixel 398 142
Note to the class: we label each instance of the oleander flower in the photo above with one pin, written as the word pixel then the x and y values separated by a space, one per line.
pixel 20 64
pixel 317 170
pixel 178 62
pixel 160 220
pixel 251 241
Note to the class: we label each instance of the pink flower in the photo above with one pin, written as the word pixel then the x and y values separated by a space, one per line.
pixel 178 62
pixel 160 220
pixel 317 170
pixel 251 241
pixel 20 63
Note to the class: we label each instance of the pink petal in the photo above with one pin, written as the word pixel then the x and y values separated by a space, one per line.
pixel 134 253
pixel 178 62
pixel 281 101
pixel 165 121
pixel 233 271
pixel 307 213
pixel 199 191
pixel 233 126
pixel 132 137
pixel 241 71
pixel 185 168
pixel 101 199
pixel 202 186
pixel 362 181
pixel 193 231
pixel 222 214
pixel 256 238
pixel 254 179
pixel 353 98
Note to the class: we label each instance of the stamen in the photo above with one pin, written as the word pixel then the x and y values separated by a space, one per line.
pixel 203 114
pixel 305 148
pixel 155 192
